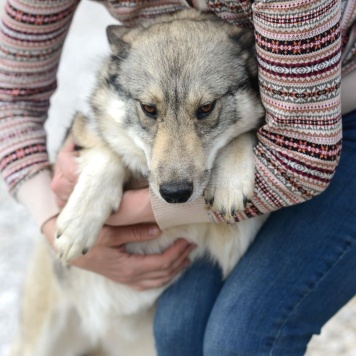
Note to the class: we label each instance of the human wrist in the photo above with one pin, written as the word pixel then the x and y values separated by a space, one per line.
pixel 36 195
pixel 48 229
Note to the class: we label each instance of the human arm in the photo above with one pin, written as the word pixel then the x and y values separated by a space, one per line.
pixel 300 76
pixel 31 39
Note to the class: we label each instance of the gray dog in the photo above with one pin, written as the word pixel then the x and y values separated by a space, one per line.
pixel 176 104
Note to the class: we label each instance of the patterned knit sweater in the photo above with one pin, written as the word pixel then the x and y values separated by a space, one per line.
pixel 303 46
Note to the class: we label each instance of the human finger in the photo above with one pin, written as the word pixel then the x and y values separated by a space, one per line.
pixel 114 236
pixel 167 268
pixel 62 188
pixel 68 165
pixel 143 266
pixel 132 268
pixel 65 172
pixel 159 281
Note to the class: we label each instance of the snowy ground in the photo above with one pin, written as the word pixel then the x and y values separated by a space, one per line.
pixel 85 46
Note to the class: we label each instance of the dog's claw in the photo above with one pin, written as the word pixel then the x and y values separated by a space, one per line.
pixel 85 250
pixel 58 235
pixel 245 201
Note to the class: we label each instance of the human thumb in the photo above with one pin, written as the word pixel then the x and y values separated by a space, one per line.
pixel 120 235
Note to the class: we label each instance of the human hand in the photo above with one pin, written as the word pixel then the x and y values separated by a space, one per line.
pixel 109 258
pixel 65 173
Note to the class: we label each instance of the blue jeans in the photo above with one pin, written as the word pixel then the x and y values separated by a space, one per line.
pixel 296 275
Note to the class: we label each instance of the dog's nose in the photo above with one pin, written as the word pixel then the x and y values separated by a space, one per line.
pixel 176 191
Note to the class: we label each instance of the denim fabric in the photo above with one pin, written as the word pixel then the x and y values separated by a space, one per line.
pixel 296 275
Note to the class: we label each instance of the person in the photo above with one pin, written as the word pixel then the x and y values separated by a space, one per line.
pixel 298 272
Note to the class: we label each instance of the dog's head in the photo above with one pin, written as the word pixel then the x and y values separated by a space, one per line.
pixel 180 89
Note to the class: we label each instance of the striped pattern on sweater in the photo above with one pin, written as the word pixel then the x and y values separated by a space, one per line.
pixel 300 76
pixel 31 39
pixel 299 46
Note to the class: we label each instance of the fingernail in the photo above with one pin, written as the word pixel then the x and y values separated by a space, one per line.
pixel 154 231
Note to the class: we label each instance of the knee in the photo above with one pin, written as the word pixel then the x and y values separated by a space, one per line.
pixel 176 333
pixel 253 329
pixel 238 326
pixel 183 311
pixel 222 339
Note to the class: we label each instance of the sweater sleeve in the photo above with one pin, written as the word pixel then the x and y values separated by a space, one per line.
pixel 298 47
pixel 32 34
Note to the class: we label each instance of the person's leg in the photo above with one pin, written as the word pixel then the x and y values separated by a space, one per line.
pixel 183 311
pixel 296 275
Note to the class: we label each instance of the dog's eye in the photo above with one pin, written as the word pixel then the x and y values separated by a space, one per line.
pixel 205 110
pixel 150 110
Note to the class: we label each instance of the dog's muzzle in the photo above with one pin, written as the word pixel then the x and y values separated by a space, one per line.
pixel 176 191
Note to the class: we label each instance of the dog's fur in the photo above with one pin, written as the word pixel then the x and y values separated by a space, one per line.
pixel 196 77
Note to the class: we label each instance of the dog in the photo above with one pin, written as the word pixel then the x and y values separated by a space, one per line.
pixel 176 106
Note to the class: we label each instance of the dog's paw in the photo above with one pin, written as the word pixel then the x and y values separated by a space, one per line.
pixel 96 195
pixel 232 178
pixel 81 220
pixel 227 193
pixel 76 233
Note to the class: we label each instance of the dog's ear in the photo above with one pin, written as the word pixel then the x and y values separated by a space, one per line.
pixel 245 41
pixel 243 37
pixel 115 36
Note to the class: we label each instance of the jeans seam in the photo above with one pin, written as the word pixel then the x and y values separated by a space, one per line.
pixel 349 245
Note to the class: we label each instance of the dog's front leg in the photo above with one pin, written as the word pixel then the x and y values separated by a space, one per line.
pixel 232 178
pixel 96 195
